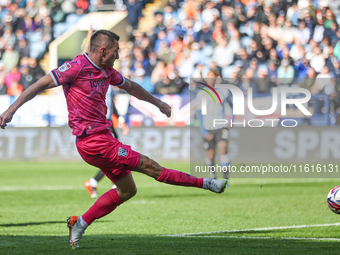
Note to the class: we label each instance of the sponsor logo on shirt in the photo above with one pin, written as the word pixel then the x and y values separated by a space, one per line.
pixel 122 152
pixel 98 83
pixel 64 67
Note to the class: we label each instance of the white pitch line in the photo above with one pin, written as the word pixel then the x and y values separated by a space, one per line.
pixel 37 188
pixel 270 237
pixel 154 185
pixel 254 229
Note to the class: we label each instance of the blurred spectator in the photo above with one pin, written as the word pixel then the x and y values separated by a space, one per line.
pixel 301 67
pixel 316 58
pixel 189 8
pixel 293 14
pixel 26 78
pixel 156 74
pixel 196 55
pixel 35 69
pixel 29 24
pixel 228 16
pixel 223 55
pixel 12 75
pixel 284 54
pixel 200 72
pixel 234 41
pixel 272 70
pixel 205 34
pixel 210 13
pixel 161 37
pixel 332 33
pixel 285 73
pixel 274 57
pixel 143 80
pixel 288 33
pixel 134 9
pixel 57 13
pixel 30 8
pixel 8 39
pixel 336 51
pixel 166 86
pixel 336 66
pixel 82 7
pixel 329 19
pixel 15 89
pixel 274 31
pixel 303 33
pixel 309 80
pixel 44 10
pixel 23 48
pixel 253 65
pixel 248 81
pixel 324 82
pixel 164 53
pixel 10 58
pixel 334 5
pixel 319 30
pixel 330 59
pixel 254 48
pixel 297 51
pixel 47 30
pixel 263 82
pixel 218 30
pixel 186 68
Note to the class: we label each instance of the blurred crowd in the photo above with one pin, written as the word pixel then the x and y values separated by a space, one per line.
pixel 260 44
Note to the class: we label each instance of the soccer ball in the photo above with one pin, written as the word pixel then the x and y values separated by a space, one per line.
pixel 333 199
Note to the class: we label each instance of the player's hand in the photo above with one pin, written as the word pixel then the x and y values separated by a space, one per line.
pixel 5 118
pixel 165 108
pixel 209 137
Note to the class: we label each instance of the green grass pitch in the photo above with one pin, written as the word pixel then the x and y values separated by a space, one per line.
pixel 253 216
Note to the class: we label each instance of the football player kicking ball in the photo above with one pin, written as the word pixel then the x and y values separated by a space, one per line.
pixel 85 81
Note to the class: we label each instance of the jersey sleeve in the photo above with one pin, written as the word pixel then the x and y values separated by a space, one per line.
pixel 117 79
pixel 66 73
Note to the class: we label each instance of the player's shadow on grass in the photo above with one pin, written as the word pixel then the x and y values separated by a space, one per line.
pixel 25 224
pixel 205 194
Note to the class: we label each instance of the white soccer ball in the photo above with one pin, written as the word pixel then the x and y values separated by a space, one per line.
pixel 333 199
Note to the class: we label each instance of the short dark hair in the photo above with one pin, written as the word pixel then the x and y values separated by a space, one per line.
pixel 103 37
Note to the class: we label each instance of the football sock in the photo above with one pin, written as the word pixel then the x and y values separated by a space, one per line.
pixel 211 163
pixel 174 177
pixel 224 159
pixel 103 206
pixel 93 183
pixel 99 176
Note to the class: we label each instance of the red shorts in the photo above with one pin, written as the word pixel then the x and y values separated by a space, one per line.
pixel 104 151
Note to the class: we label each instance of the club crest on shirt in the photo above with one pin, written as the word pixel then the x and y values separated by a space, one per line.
pixel 122 152
pixel 64 67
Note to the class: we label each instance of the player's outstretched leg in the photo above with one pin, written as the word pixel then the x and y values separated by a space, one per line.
pixel 169 176
pixel 105 204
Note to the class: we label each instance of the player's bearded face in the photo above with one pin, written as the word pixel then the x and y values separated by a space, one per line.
pixel 111 55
